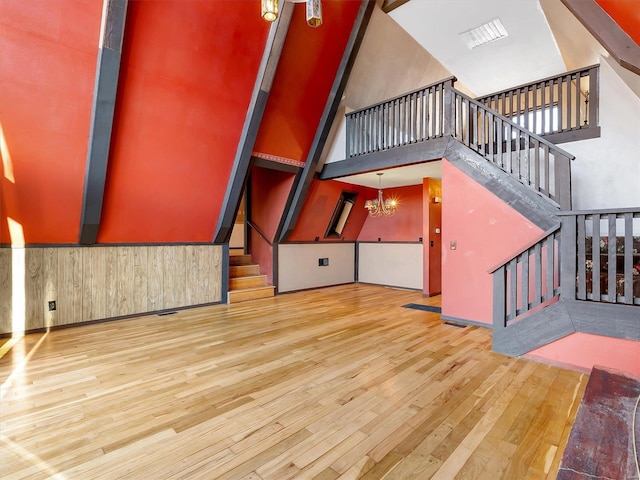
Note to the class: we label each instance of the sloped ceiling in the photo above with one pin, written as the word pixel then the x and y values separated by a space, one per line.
pixel 529 52
pixel 544 39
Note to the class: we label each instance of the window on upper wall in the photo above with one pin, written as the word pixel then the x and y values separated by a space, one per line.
pixel 341 214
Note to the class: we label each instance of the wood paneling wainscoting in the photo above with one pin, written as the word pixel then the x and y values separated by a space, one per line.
pixel 93 283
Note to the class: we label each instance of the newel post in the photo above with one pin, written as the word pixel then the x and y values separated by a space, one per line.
pixel 349 120
pixel 449 114
pixel 568 257
pixel 499 298
pixel 563 181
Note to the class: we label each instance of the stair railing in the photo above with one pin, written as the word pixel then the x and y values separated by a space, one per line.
pixel 601 255
pixel 259 232
pixel 439 110
pixel 527 280
pixel 557 104
pixel 532 160
pixel 409 118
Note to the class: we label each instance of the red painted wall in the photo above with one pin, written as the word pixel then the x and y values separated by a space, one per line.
pixel 269 192
pixel 48 52
pixel 626 14
pixel 188 71
pixel 432 245
pixel 404 226
pixel 581 351
pixel 319 205
pixel 486 230
pixel 306 71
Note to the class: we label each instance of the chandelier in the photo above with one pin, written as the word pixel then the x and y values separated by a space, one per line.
pixel 379 207
pixel 313 9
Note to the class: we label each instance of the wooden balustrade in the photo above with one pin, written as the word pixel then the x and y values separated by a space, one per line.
pixel 602 252
pixel 410 118
pixel 527 280
pixel 533 161
pixel 438 110
pixel 562 103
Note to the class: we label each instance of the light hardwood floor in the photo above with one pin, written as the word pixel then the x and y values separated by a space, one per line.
pixel 341 382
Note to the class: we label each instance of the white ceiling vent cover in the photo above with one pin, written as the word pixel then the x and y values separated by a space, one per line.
pixel 493 30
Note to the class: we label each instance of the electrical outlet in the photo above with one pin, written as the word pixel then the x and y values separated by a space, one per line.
pixel 52 305
pixel 453 245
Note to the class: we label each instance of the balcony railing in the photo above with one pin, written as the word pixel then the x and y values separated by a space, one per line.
pixel 410 118
pixel 438 110
pixel 558 104
pixel 602 255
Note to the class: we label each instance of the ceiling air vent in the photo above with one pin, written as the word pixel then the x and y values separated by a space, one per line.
pixel 490 31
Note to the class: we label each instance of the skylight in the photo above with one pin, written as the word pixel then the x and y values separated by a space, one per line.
pixel 490 31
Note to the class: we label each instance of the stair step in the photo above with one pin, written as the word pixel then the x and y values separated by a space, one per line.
pixel 239 260
pixel 250 281
pixel 243 270
pixel 235 296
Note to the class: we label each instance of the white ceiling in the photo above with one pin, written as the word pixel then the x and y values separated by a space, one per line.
pixel 528 53
pixel 398 177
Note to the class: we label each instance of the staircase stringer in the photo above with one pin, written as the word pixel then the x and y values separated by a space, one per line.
pixel 536 208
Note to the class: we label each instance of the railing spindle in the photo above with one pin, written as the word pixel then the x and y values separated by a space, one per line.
pixel 611 259
pixel 595 258
pixel 581 293
pixel 628 258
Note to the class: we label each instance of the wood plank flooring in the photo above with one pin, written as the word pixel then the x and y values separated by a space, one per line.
pixel 335 383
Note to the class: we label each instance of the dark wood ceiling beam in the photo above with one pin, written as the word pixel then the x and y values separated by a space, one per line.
pixel 114 15
pixel 303 180
pixel 255 112
pixel 617 42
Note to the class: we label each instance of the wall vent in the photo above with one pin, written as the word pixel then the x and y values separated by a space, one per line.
pixel 489 32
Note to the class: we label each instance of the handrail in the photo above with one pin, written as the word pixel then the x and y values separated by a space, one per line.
pixel 532 243
pixel 542 80
pixel 600 211
pixel 409 118
pixel 532 160
pixel 451 79
pixel 439 110
pixel 514 124
pixel 555 105
pixel 527 280
pixel 259 232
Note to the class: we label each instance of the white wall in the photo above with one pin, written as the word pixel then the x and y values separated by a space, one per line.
pixel 337 150
pixel 298 265
pixel 393 264
pixel 606 171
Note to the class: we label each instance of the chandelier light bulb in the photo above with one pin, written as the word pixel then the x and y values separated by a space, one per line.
pixel 269 10
pixel 378 207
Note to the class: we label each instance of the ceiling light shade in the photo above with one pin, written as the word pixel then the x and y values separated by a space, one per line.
pixel 379 207
pixel 314 13
pixel 490 31
pixel 269 10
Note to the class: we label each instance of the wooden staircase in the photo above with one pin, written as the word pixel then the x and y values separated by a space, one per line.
pixel 245 280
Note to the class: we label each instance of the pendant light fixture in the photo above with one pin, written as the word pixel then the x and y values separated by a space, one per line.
pixel 314 13
pixel 379 207
pixel 313 9
pixel 269 10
